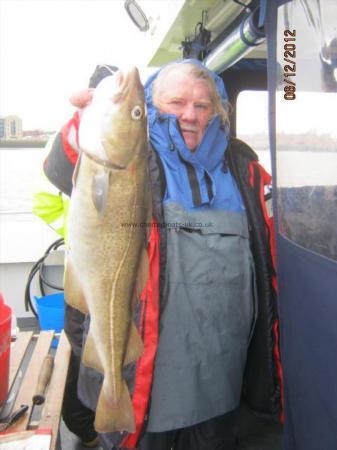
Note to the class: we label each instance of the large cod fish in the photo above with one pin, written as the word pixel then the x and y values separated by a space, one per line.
pixel 107 265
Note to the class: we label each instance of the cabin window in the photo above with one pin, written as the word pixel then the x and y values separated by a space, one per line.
pixel 306 130
pixel 252 123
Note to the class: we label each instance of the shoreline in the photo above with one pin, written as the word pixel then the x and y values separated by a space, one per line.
pixel 21 143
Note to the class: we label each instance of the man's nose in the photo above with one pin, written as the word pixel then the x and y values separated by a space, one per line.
pixel 189 113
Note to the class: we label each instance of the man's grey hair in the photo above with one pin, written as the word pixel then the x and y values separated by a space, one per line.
pixel 221 106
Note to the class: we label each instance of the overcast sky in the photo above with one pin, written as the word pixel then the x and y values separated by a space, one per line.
pixel 49 48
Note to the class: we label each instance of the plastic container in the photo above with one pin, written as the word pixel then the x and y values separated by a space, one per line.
pixel 50 310
pixel 5 347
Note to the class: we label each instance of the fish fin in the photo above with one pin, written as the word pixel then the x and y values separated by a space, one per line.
pixel 135 345
pixel 149 218
pixel 76 170
pixel 99 190
pixel 143 273
pixel 73 292
pixel 90 355
pixel 114 417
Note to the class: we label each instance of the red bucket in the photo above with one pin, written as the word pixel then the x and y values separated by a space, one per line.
pixel 5 345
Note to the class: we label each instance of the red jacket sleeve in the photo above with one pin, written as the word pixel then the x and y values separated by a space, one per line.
pixel 61 160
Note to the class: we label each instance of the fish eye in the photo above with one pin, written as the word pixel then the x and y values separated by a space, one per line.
pixel 137 112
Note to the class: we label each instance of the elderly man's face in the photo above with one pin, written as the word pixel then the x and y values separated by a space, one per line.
pixel 189 99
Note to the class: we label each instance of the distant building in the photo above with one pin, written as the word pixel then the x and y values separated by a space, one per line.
pixel 10 127
pixel 2 128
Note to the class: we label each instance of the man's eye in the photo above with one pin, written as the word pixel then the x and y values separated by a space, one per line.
pixel 201 106
pixel 176 102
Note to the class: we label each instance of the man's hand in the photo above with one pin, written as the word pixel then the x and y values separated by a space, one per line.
pixel 82 98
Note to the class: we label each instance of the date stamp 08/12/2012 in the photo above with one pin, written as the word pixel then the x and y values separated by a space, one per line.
pixel 289 69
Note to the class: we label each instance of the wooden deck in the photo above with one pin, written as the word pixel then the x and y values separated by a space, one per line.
pixel 27 354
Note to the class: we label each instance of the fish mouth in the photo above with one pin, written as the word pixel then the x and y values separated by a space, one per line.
pixel 125 83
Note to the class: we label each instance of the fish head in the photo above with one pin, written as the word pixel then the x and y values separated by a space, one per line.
pixel 126 130
pixel 114 126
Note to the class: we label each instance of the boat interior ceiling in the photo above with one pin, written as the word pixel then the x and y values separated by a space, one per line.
pixel 219 32
pixel 228 36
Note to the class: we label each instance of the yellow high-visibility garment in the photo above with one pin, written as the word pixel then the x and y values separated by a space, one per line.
pixel 49 203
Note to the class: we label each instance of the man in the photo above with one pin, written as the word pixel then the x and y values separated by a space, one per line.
pixel 216 285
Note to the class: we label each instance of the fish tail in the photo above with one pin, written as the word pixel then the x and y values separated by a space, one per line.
pixel 114 417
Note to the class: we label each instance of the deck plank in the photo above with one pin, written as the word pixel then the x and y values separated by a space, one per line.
pixel 29 382
pixel 48 415
pixel 51 414
pixel 17 353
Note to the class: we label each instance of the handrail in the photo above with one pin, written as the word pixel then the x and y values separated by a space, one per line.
pixel 235 46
